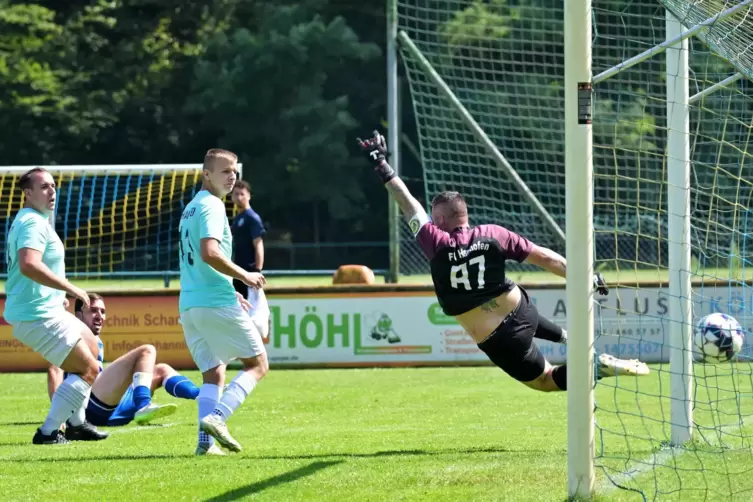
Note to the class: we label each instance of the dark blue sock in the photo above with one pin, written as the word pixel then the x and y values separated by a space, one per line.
pixel 182 387
pixel 142 396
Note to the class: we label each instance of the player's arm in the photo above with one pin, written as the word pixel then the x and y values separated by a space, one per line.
pixel 258 244
pixel 547 259
pixel 257 231
pixel 375 149
pixel 32 241
pixel 211 230
pixel 213 256
pixel 555 263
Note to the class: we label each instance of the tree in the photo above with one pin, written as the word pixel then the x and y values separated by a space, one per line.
pixel 266 93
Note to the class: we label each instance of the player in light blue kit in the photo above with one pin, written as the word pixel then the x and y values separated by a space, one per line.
pixel 123 391
pixel 215 321
pixel 34 306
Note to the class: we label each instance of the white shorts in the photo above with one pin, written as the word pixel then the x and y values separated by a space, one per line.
pixel 259 311
pixel 217 335
pixel 52 338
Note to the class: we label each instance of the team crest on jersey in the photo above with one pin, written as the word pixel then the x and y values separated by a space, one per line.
pixel 414 225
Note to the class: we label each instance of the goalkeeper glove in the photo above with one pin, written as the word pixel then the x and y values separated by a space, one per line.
pixel 375 150
pixel 600 284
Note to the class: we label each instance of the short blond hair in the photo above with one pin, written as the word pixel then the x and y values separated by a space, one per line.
pixel 217 157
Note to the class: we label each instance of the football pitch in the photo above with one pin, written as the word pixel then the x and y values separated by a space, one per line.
pixel 381 434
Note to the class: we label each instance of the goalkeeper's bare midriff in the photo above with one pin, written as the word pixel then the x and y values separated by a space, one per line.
pixel 481 322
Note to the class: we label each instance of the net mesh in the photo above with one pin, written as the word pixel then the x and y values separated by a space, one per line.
pixel 504 61
pixel 112 224
pixel 505 65
pixel 729 37
pixel 630 162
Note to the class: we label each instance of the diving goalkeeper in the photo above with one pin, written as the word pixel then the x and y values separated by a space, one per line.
pixel 468 272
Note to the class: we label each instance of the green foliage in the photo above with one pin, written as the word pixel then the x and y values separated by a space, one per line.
pixel 266 94
pixel 478 22
pixel 287 84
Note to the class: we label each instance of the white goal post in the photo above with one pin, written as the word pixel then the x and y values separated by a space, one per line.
pixel 580 229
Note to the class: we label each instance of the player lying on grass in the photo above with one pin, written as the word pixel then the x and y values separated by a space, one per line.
pixel 35 293
pixel 217 328
pixel 123 390
pixel 468 271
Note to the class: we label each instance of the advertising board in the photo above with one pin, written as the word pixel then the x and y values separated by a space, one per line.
pixel 399 328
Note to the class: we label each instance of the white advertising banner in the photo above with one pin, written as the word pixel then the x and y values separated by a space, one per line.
pixel 409 328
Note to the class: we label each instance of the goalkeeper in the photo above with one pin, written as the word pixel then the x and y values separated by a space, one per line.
pixel 468 271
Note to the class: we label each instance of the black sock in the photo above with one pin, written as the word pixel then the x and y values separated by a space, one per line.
pixel 559 375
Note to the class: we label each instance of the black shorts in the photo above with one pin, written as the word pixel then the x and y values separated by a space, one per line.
pixel 511 345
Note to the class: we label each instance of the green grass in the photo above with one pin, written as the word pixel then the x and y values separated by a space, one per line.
pixel 373 435
pixel 531 278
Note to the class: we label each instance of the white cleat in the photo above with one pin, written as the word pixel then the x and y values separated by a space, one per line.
pixel 215 427
pixel 154 411
pixel 211 450
pixel 611 366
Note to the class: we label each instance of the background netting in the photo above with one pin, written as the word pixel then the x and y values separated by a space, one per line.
pixel 505 62
pixel 506 66
pixel 112 224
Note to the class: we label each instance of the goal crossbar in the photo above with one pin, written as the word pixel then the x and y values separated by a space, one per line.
pixel 108 169
pixel 658 49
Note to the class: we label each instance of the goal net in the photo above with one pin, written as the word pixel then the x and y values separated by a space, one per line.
pixel 115 221
pixel 503 62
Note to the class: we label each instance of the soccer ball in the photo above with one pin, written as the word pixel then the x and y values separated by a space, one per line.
pixel 718 337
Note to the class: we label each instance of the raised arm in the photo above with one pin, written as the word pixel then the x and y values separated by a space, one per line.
pixel 375 150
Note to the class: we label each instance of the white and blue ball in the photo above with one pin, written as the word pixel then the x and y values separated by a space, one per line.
pixel 718 338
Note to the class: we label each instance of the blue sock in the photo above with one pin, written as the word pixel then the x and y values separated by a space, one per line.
pixel 142 396
pixel 182 387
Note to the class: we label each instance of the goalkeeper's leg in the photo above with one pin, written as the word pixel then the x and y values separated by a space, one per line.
pixel 554 378
pixel 547 330
pixel 511 347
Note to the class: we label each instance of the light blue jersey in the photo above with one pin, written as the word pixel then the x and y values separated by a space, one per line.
pixel 27 300
pixel 201 285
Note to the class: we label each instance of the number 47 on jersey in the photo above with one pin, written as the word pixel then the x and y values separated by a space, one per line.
pixel 459 274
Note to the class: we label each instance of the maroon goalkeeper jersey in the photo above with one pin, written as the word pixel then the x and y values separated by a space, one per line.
pixel 468 264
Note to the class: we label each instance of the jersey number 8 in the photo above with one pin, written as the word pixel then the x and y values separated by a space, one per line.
pixel 459 274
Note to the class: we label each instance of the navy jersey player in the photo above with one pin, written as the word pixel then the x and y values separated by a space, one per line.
pixel 468 272
pixel 248 253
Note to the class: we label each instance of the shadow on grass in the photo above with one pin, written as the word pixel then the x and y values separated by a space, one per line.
pixel 319 456
pixel 280 479
pixel 404 453
pixel 78 459
pixel 19 424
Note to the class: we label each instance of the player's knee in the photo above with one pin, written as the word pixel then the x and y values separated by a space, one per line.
pixel 259 365
pixel 91 372
pixel 262 368
pixel 163 370
pixel 542 383
pixel 148 350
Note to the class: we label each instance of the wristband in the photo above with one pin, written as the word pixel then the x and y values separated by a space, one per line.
pixel 385 171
